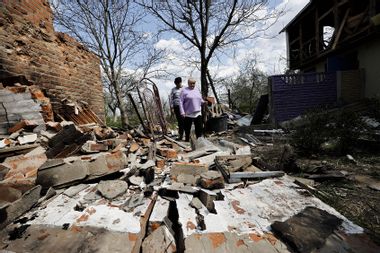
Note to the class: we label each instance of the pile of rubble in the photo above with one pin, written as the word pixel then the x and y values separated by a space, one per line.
pixel 80 186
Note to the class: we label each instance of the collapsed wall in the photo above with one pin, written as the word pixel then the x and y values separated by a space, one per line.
pixel 54 61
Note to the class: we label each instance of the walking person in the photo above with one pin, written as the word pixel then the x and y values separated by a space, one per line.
pixel 175 105
pixel 191 109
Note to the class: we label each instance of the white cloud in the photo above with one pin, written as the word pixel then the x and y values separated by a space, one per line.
pixel 270 52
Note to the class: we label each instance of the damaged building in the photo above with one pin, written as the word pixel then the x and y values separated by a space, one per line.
pixel 333 45
pixel 69 183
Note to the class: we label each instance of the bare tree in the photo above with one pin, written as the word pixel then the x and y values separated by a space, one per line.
pixel 247 87
pixel 107 27
pixel 212 25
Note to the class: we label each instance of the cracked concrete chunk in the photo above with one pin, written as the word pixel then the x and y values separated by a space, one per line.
pixel 112 188
pixel 136 180
pixel 73 190
pixel 62 174
pixel 133 201
pixel 196 203
pixel 106 163
pixel 159 241
pixel 193 169
pixel 187 179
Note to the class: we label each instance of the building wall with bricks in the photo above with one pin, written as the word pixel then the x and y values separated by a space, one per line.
pixel 54 61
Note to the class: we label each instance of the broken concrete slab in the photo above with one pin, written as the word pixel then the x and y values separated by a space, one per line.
pixel 193 169
pixel 74 190
pixel 370 182
pixel 23 168
pixel 61 174
pixel 35 152
pixel 159 214
pixel 244 150
pixel 106 163
pixel 226 242
pixel 233 163
pixel 133 201
pixel 45 239
pixel 159 241
pixel 196 203
pixel 210 159
pixel 136 180
pixel 307 230
pixel 112 188
pixel 179 187
pixel 187 179
pixel 20 206
pixel 99 219
pixel 48 134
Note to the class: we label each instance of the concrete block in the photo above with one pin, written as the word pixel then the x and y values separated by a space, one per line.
pixel 112 188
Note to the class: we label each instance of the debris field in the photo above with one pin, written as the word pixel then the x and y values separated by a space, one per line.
pixel 79 186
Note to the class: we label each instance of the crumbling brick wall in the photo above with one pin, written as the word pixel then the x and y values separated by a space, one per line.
pixel 57 63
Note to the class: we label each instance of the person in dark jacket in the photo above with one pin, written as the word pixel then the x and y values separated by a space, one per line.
pixel 174 100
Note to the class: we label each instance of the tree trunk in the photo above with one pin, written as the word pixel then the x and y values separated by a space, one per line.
pixel 204 83
pixel 114 116
pixel 122 105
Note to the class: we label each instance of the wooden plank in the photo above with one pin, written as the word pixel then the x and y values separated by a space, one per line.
pixel 340 29
pixel 176 142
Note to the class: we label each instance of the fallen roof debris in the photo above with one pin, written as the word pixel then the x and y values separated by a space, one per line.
pixel 77 185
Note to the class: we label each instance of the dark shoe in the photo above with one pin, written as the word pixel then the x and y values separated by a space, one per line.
pixel 179 138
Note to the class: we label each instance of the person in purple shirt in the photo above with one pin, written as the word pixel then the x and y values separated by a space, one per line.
pixel 191 109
